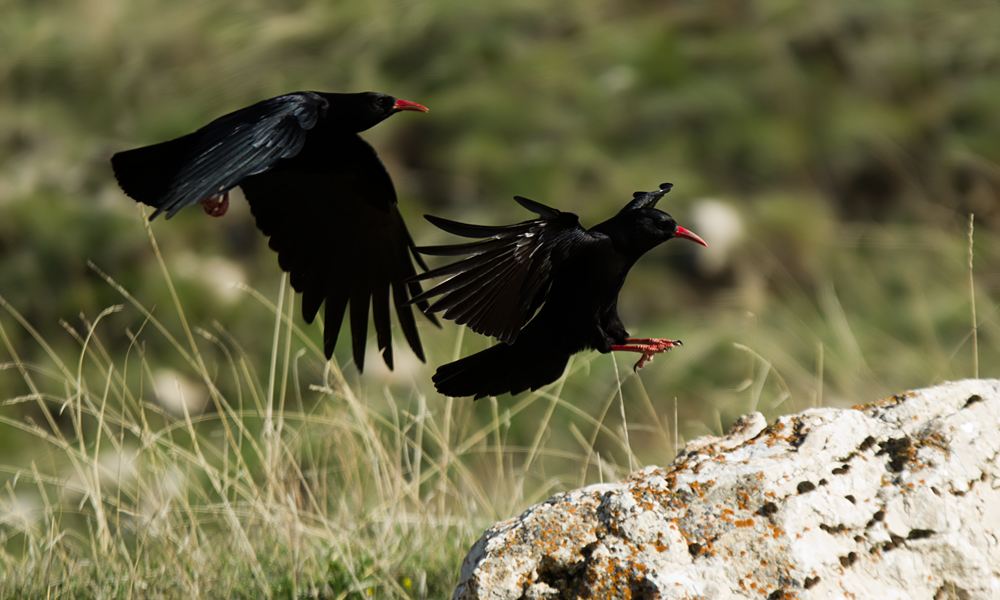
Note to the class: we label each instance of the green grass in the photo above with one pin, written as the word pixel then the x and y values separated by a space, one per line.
pixel 292 486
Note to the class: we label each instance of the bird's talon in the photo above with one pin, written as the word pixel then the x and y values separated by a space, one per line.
pixel 216 205
pixel 647 348
pixel 645 358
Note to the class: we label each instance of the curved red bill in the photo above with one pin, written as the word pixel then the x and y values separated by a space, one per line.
pixel 407 105
pixel 688 235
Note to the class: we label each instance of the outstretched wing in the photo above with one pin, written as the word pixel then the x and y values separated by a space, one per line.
pixel 508 273
pixel 217 157
pixel 331 215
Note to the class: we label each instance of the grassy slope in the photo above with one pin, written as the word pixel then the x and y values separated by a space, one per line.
pixel 853 140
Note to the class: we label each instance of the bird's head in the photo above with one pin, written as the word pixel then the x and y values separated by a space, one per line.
pixel 639 227
pixel 649 227
pixel 366 109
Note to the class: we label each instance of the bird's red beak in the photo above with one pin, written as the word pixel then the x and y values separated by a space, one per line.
pixel 407 105
pixel 688 235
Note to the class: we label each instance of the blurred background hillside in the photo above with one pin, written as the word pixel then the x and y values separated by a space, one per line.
pixel 830 153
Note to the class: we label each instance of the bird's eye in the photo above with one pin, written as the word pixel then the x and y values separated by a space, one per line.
pixel 662 224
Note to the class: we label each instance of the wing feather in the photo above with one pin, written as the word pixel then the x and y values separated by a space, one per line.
pixel 331 216
pixel 361 294
pixel 504 279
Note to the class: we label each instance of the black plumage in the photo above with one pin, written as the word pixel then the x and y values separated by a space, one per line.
pixel 551 266
pixel 316 189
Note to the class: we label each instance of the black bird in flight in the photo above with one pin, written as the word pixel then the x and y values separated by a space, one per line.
pixel 569 275
pixel 316 189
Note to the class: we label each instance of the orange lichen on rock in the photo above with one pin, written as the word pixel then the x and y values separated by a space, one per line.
pixel 732 505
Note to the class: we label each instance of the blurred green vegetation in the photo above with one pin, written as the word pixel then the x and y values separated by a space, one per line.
pixel 851 139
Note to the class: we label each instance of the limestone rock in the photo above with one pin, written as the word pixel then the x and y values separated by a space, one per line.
pixel 896 499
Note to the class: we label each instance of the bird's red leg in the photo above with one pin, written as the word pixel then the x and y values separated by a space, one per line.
pixel 216 205
pixel 647 347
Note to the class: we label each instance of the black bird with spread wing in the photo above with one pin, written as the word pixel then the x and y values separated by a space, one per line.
pixel 568 275
pixel 316 189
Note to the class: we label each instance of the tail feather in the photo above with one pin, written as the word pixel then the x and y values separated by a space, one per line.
pixel 498 370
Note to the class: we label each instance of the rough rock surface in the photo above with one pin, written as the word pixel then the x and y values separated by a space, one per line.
pixel 894 500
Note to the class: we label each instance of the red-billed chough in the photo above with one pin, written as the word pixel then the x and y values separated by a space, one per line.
pixel 568 275
pixel 316 189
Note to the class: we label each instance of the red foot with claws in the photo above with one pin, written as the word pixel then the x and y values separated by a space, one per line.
pixel 216 205
pixel 647 347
